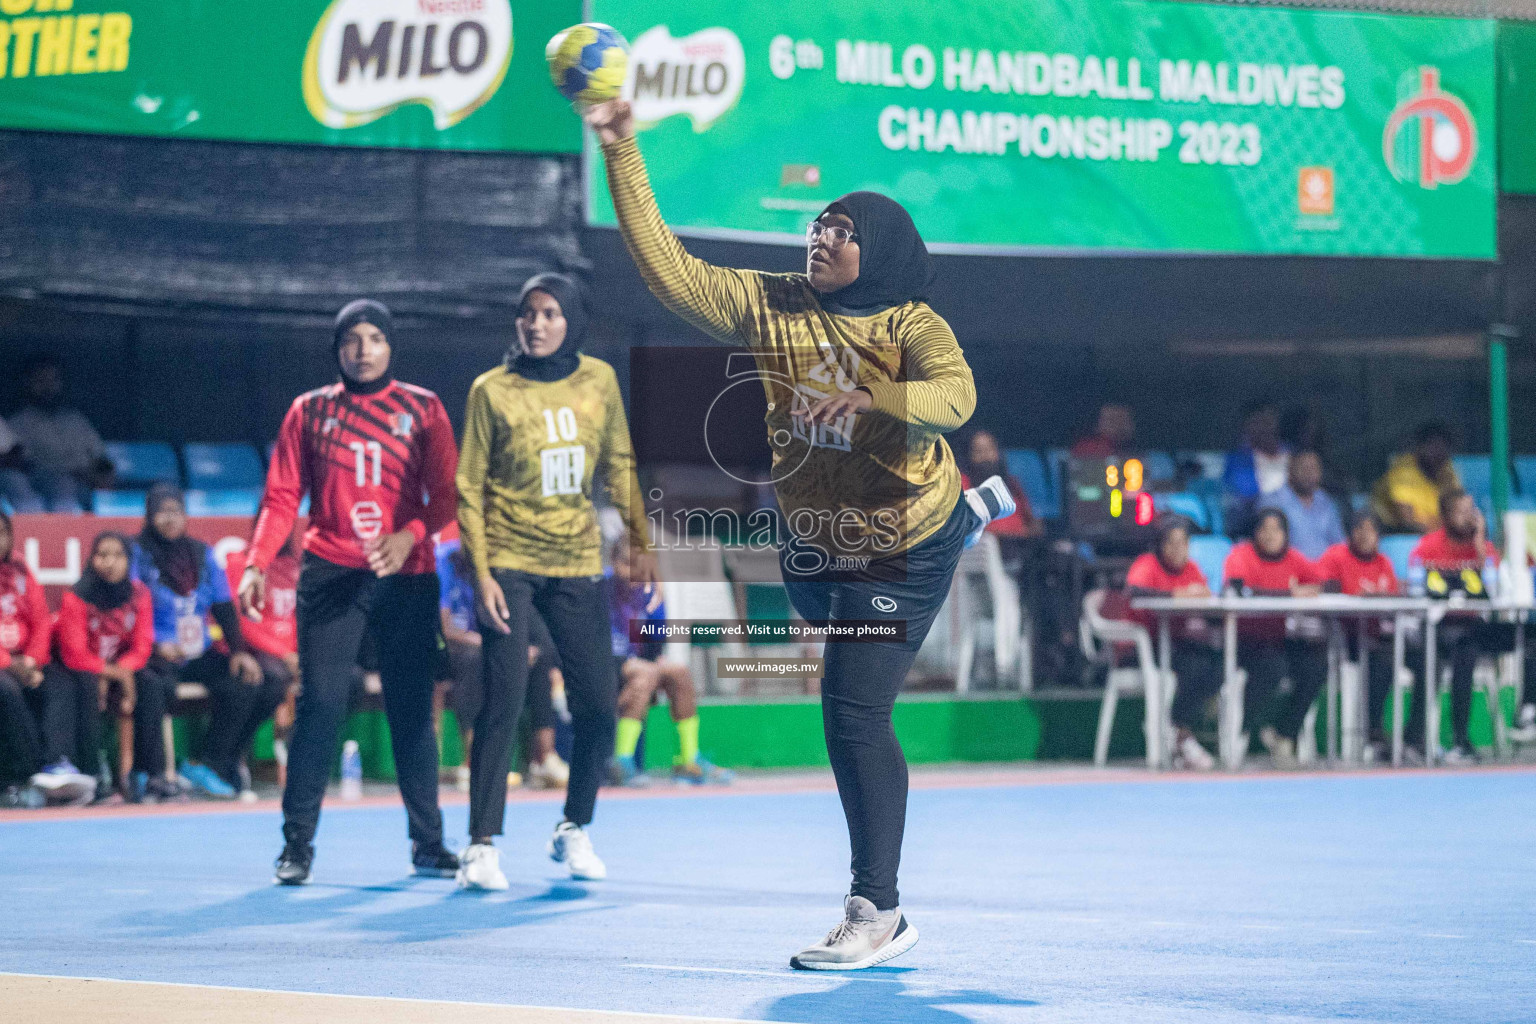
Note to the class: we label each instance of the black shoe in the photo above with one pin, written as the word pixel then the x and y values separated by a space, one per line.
pixel 293 864
pixel 159 789
pixel 434 860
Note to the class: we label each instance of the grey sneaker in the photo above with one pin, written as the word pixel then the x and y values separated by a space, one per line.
pixel 1281 748
pixel 990 501
pixel 865 937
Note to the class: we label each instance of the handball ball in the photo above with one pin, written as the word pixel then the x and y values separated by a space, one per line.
pixel 587 62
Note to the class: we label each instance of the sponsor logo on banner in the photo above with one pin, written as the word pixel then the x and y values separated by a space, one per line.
pixel 1314 191
pixel 1446 136
pixel 367 58
pixel 699 75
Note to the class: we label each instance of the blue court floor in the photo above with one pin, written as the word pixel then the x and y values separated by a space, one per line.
pixel 1384 897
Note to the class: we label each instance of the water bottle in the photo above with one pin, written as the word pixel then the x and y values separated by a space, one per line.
pixel 1491 577
pixel 1416 578
pixel 351 771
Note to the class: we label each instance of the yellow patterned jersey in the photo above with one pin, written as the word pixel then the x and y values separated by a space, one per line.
pixel 873 484
pixel 530 452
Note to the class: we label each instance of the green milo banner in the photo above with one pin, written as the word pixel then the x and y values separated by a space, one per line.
pixel 1070 125
pixel 431 74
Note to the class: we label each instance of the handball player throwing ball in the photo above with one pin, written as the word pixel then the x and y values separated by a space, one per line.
pixel 366 449
pixel 867 485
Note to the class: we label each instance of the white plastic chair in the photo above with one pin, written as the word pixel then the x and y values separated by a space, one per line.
pixel 1097 636
pixel 1012 626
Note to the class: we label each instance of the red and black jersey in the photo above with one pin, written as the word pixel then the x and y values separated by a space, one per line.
pixel 90 638
pixel 25 627
pixel 366 462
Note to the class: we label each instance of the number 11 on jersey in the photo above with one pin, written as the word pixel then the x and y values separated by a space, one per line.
pixel 363 451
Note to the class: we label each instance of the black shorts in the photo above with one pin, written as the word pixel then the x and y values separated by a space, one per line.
pixel 909 587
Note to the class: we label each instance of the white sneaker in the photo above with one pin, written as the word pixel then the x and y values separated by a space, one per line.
pixel 1459 757
pixel 1525 731
pixel 571 846
pixel 461 778
pixel 550 773
pixel 990 500
pixel 1194 756
pixel 865 937
pixel 1281 749
pixel 480 868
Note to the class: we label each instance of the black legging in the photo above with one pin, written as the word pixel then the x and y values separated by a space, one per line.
pixel 154 692
pixel 71 717
pixel 1267 662
pixel 1198 669
pixel 859 688
pixel 21 748
pixel 335 606
pixel 575 608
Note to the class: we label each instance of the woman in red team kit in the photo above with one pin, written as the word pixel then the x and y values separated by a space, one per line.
pixel 1268 565
pixel 105 633
pixel 1167 570
pixel 366 449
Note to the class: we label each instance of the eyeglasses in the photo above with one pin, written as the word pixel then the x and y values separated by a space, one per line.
pixel 837 237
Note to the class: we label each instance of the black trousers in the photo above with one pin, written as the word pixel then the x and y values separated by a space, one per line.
pixel 1199 671
pixel 21 747
pixel 860 685
pixel 237 708
pixel 71 717
pixel 155 692
pixel 1267 662
pixel 335 605
pixel 575 608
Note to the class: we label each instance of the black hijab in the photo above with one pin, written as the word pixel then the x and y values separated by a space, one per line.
pixel 894 265
pixel 97 592
pixel 1166 525
pixel 180 561
pixel 362 311
pixel 562 362
pixel 10 533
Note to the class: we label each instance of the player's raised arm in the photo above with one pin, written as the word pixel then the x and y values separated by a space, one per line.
pixel 717 300
pixel 938 392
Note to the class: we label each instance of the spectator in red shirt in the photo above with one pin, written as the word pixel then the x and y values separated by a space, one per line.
pixel 1268 565
pixel 1168 570
pixel 1459 556
pixel 1113 436
pixel 105 632
pixel 271 630
pixel 1358 567
pixel 24 631
pixel 986 460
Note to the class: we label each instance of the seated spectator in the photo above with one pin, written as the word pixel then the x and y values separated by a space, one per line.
pixel 1358 567
pixel 1268 565
pixel 187 587
pixel 272 635
pixel 1113 436
pixel 461 636
pixel 1259 464
pixel 1168 570
pixel 642 674
pixel 62 456
pixel 1312 513
pixel 986 460
pixel 1459 557
pixel 104 634
pixel 1407 497
pixel 24 635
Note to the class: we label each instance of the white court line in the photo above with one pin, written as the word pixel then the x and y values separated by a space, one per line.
pixel 1351 931
pixel 1264 927
pixel 1439 935
pixel 387 999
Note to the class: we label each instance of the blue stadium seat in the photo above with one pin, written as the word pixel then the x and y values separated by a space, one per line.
pixel 1525 473
pixel 213 467
pixel 1210 552
pixel 1190 506
pixel 232 501
pixel 141 463
pixel 1159 466
pixel 1397 547
pixel 1215 507
pixel 1212 464
pixel 1522 503
pixel 1026 466
pixel 119 503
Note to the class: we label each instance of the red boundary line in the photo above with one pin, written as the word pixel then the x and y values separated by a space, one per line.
pixel 818 783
